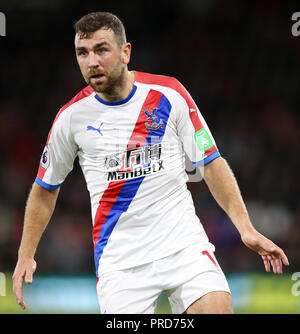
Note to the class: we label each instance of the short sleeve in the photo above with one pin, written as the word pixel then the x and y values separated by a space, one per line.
pixel 196 137
pixel 59 153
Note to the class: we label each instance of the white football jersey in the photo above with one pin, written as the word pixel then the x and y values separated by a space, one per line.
pixel 132 154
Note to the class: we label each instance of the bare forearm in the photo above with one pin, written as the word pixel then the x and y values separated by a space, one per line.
pixel 224 188
pixel 38 211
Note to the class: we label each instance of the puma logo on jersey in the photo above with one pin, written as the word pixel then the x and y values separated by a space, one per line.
pixel 89 127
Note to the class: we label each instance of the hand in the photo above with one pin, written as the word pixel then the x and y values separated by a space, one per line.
pixel 271 254
pixel 24 269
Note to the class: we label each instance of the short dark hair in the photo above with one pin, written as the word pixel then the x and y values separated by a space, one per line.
pixel 92 22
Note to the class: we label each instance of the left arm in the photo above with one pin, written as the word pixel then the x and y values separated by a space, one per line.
pixel 224 188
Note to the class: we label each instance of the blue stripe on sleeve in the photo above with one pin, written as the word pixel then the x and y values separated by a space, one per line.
pixel 212 157
pixel 198 163
pixel 46 185
pixel 207 160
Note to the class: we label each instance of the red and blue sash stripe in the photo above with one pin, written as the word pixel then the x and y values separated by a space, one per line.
pixel 118 196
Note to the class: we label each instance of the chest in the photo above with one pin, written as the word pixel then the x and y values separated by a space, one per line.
pixel 114 130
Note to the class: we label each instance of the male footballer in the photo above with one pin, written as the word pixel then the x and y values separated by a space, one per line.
pixel 131 131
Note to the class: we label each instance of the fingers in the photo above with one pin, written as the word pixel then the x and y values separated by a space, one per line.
pixel 277 265
pixel 26 273
pixel 17 289
pixel 284 259
pixel 22 303
pixel 266 263
pixel 269 262
pixel 278 257
pixel 275 261
pixel 272 255
pixel 29 274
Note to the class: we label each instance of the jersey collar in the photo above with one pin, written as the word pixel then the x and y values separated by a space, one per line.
pixel 119 102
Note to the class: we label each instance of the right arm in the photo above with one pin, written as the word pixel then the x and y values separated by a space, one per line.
pixel 39 209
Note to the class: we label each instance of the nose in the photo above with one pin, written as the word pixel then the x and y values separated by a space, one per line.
pixel 93 61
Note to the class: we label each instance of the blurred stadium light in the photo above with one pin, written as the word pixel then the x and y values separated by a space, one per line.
pixel 252 293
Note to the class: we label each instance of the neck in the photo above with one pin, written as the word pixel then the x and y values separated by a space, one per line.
pixel 121 89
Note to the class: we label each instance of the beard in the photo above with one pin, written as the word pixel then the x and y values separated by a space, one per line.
pixel 112 83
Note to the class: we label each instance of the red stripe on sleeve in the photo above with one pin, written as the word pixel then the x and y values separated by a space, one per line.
pixel 173 83
pixel 81 95
pixel 41 172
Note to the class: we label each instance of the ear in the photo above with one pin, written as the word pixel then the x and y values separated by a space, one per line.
pixel 126 52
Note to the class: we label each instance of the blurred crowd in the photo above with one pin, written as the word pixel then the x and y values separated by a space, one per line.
pixel 239 62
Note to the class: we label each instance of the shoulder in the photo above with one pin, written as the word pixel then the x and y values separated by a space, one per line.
pixel 160 80
pixel 79 98
pixel 165 81
pixel 62 118
pixel 157 79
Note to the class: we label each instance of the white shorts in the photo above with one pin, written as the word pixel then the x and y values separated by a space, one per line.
pixel 184 277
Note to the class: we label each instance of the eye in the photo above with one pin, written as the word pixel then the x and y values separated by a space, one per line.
pixel 102 50
pixel 82 53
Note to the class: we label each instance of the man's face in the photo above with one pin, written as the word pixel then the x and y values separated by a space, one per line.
pixel 101 60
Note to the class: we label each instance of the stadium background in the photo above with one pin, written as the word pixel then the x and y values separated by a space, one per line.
pixel 240 62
